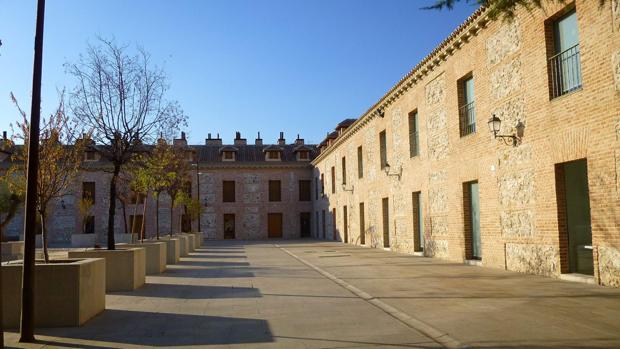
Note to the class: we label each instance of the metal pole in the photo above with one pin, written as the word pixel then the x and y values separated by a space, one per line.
pixel 28 284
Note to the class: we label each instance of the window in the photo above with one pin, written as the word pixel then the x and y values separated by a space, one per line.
pixel 88 191
pixel 333 177
pixel 90 155
pixel 360 162
pixel 273 155
pixel 413 133
pixel 322 184
pixel 303 155
pixel 344 170
pixel 229 191
pixel 275 192
pixel 383 149
pixel 136 223
pixel 229 155
pixel 467 114
pixel 564 64
pixel 89 225
pixel 316 188
pixel 304 190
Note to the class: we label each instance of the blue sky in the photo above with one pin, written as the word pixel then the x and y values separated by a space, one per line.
pixel 236 65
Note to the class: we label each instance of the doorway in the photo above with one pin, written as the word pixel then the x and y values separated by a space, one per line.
pixel 345 223
pixel 334 225
pixel 386 222
pixel 229 226
pixel 574 217
pixel 362 225
pixel 471 212
pixel 304 224
pixel 274 225
pixel 418 233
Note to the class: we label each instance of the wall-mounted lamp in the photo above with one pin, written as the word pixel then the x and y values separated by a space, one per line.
pixel 495 125
pixel 62 204
pixel 387 169
pixel 344 188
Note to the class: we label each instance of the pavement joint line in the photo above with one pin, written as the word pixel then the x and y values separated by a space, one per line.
pixel 441 337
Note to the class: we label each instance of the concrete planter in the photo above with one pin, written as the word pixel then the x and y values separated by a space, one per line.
pixel 83 240
pixel 125 268
pixel 68 292
pixel 156 255
pixel 199 239
pixel 39 240
pixel 12 250
pixel 184 244
pixel 173 249
pixel 191 242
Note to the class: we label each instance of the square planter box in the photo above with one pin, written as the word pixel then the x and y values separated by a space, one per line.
pixel 39 240
pixel 83 240
pixel 173 250
pixel 156 255
pixel 120 238
pixel 191 242
pixel 12 250
pixel 199 239
pixel 184 243
pixel 125 267
pixel 68 293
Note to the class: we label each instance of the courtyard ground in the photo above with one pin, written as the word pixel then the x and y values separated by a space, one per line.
pixel 314 294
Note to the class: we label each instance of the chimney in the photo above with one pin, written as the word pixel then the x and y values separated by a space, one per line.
pixel 180 141
pixel 259 141
pixel 4 135
pixel 299 141
pixel 281 140
pixel 239 140
pixel 213 141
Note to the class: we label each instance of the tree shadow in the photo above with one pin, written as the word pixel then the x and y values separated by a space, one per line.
pixel 213 264
pixel 164 329
pixel 200 272
pixel 192 292
pixel 200 255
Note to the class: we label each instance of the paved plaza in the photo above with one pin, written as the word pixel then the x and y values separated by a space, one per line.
pixel 312 294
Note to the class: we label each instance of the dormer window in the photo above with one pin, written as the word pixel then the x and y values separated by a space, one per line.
pixel 228 153
pixel 273 155
pixel 304 155
pixel 302 152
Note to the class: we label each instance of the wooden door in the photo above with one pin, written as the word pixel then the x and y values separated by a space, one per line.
pixel 274 225
pixel 304 224
pixel 386 222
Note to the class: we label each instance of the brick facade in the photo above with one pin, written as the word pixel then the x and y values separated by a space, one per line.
pixel 521 221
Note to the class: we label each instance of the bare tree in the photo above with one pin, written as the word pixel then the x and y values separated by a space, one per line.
pixel 121 98
pixel 60 157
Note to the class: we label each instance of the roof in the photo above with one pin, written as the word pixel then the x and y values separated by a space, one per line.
pixel 345 123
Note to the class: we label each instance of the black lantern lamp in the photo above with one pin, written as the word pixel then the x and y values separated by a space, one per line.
pixel 495 124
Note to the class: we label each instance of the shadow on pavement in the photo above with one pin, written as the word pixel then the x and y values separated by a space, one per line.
pixel 192 291
pixel 161 329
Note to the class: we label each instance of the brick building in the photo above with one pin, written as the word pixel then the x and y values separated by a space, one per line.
pixel 420 172
pixel 249 191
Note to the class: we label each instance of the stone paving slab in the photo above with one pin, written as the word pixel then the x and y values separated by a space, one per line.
pixel 236 294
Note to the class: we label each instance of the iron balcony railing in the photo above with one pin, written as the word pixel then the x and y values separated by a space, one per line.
pixel 565 72
pixel 467 115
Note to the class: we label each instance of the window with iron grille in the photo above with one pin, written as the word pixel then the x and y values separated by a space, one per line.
pixel 564 64
pixel 360 162
pixel 322 184
pixel 275 192
pixel 413 133
pixel 467 112
pixel 333 179
pixel 229 191
pixel 383 149
pixel 304 190
pixel 316 188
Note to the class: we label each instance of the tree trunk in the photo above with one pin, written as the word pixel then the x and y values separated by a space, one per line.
pixel 157 215
pixel 46 256
pixel 171 214
pixel 142 226
pixel 1 312
pixel 112 211
pixel 133 223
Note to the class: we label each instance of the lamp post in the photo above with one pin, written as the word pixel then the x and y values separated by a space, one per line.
pixel 28 284
pixel 495 125
pixel 388 172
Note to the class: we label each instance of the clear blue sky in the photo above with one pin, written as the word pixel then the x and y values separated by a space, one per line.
pixel 236 65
